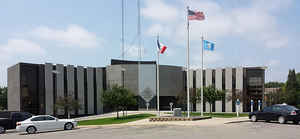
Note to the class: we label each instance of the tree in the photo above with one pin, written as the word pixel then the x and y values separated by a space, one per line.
pixel 118 98
pixel 292 89
pixel 210 95
pixel 274 84
pixel 67 103
pixel 182 98
pixel 3 98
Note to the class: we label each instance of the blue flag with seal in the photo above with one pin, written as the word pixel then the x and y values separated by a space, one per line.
pixel 208 45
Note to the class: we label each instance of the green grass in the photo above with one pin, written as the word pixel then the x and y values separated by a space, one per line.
pixel 114 120
pixel 218 115
pixel 221 115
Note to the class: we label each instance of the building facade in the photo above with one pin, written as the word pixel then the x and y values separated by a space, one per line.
pixel 35 88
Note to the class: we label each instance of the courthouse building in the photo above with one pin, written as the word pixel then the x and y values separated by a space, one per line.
pixel 35 88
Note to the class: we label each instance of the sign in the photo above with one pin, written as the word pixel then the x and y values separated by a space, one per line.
pixel 238 102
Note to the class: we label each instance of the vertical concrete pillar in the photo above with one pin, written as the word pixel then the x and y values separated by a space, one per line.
pixel 199 84
pixel 218 81
pixel 90 90
pixel 239 85
pixel 60 85
pixel 71 83
pixel 14 88
pixel 99 80
pixel 228 88
pixel 80 86
pixel 49 98
pixel 208 82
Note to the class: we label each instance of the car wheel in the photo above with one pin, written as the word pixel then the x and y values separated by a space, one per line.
pixel 68 126
pixel 31 130
pixel 296 122
pixel 253 118
pixel 281 119
pixel 2 130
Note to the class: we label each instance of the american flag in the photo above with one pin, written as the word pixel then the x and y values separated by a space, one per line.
pixel 195 15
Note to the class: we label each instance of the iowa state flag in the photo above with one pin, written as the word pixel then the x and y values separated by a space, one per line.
pixel 162 48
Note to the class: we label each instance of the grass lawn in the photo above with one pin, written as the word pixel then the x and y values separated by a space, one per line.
pixel 218 115
pixel 221 115
pixel 114 120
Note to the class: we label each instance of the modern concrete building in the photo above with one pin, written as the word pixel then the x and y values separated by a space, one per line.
pixel 245 83
pixel 36 87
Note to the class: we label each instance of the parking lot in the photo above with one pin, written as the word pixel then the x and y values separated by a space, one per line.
pixel 245 130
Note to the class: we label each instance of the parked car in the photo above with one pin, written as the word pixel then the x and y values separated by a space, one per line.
pixel 279 112
pixel 8 119
pixel 43 123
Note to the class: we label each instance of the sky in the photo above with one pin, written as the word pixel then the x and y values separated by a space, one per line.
pixel 88 33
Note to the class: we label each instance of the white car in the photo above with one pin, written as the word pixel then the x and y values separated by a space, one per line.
pixel 42 123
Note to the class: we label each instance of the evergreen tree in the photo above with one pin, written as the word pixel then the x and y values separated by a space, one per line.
pixel 292 89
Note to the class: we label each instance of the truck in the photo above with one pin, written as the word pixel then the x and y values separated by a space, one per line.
pixel 8 119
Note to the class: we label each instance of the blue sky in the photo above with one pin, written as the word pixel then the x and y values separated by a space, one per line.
pixel 88 33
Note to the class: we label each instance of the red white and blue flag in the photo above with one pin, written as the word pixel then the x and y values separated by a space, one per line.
pixel 195 15
pixel 161 47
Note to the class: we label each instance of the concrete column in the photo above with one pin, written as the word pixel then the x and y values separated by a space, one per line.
pixel 14 88
pixel 90 90
pixel 70 83
pixel 218 81
pixel 99 80
pixel 228 88
pixel 60 85
pixel 49 98
pixel 208 82
pixel 114 75
pixel 80 86
pixel 198 85
pixel 239 85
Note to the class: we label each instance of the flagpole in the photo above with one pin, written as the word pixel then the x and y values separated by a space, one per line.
pixel 188 65
pixel 157 81
pixel 202 79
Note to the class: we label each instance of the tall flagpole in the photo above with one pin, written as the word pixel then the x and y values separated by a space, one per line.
pixel 188 65
pixel 123 30
pixel 202 78
pixel 157 81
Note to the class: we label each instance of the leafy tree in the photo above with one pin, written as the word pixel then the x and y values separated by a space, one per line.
pixel 292 89
pixel 118 98
pixel 3 98
pixel 181 98
pixel 298 78
pixel 67 103
pixel 274 85
pixel 210 95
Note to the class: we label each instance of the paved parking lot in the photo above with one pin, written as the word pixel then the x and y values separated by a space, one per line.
pixel 242 130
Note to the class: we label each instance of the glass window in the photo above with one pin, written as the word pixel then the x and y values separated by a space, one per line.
pixel 267 109
pixel 49 118
pixel 41 118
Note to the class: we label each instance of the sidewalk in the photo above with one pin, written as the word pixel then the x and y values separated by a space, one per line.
pixel 207 122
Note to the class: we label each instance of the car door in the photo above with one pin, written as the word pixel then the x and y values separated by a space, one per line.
pixel 264 114
pixel 51 123
pixel 40 123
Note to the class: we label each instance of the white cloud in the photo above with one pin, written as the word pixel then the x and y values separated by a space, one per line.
pixel 158 10
pixel 254 22
pixel 20 47
pixel 16 50
pixel 72 36
pixel 209 57
pixel 133 52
